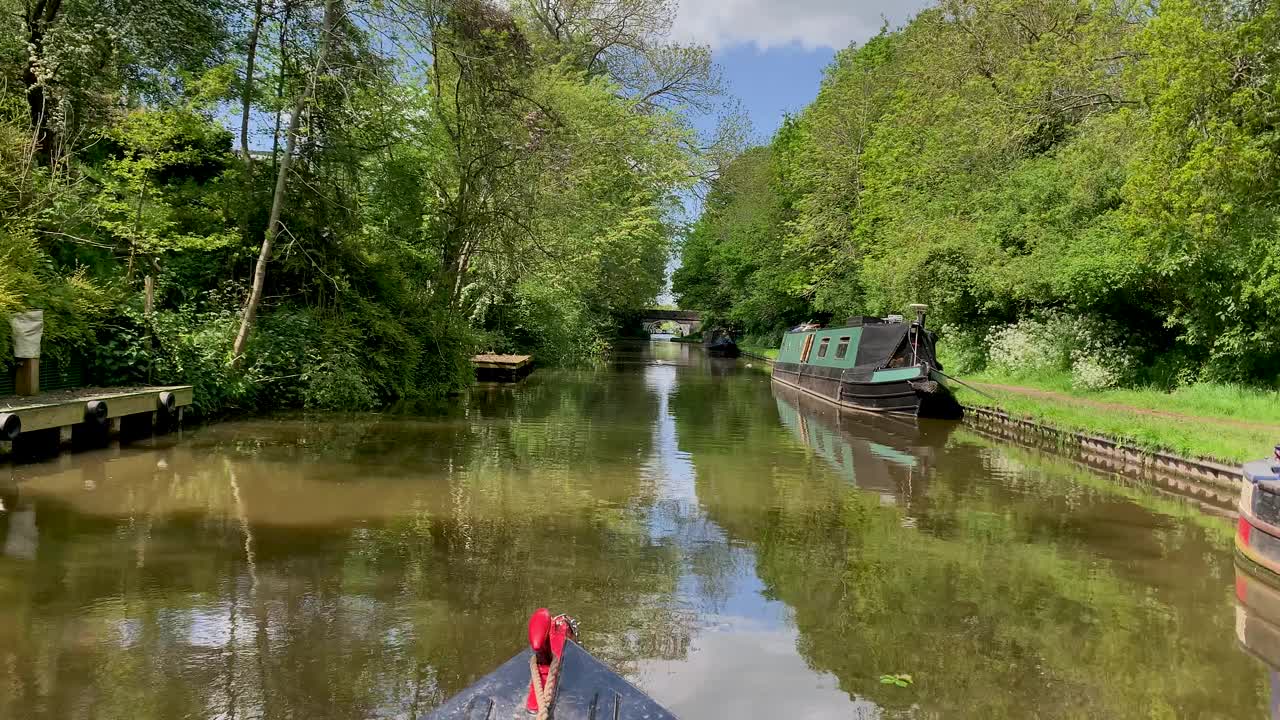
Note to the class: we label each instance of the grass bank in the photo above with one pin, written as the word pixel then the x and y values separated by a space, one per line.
pixel 763 352
pixel 1228 423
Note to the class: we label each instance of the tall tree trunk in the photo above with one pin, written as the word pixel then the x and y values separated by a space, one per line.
pixel 275 135
pixel 246 105
pixel 282 176
pixel 38 19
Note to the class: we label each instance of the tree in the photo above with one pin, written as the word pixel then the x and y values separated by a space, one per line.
pixel 329 26
pixel 75 49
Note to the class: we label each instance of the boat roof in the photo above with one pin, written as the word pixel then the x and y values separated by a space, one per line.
pixel 1263 471
pixel 853 322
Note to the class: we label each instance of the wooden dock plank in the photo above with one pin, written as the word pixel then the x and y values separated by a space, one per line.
pixel 501 362
pixel 502 368
pixel 66 409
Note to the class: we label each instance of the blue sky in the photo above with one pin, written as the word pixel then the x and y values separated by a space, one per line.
pixel 774 82
pixel 773 52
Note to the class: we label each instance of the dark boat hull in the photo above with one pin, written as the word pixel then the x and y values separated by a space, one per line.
pixel 926 397
pixel 723 349
pixel 587 691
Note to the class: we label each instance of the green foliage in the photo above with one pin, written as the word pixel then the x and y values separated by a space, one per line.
pixel 734 265
pixel 162 189
pixel 1009 160
pixel 482 182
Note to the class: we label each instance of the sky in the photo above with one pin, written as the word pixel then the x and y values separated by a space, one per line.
pixel 773 52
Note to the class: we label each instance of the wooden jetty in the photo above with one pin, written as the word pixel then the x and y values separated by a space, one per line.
pixel 41 424
pixel 502 368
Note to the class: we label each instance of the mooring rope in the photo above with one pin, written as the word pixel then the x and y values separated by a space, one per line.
pixel 545 693
pixel 954 379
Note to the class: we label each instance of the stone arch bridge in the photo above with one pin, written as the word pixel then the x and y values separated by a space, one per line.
pixel 689 321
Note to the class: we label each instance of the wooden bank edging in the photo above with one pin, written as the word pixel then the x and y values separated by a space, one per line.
pixel 42 414
pixel 1111 455
pixel 753 356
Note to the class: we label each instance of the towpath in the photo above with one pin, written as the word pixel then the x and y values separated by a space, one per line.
pixel 1066 399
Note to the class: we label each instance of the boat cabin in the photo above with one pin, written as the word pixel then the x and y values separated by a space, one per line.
pixel 866 349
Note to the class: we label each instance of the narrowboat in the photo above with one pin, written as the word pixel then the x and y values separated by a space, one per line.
pixel 554 678
pixel 882 365
pixel 1258 528
pixel 719 343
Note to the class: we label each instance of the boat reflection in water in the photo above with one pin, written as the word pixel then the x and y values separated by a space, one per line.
pixel 1258 623
pixel 884 454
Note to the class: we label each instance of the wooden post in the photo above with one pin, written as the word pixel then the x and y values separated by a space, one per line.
pixel 26 379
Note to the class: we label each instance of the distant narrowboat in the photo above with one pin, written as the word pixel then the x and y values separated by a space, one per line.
pixel 873 364
pixel 719 343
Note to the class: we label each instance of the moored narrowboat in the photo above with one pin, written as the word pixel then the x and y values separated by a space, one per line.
pixel 719 343
pixel 875 364
pixel 1258 529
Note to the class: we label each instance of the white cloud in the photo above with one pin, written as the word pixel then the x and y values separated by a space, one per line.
pixel 773 23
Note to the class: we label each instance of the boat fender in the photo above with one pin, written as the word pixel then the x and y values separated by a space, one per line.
pixel 10 426
pixel 167 403
pixel 928 387
pixel 95 412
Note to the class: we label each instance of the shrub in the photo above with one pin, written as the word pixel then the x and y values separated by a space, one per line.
pixel 962 350
pixel 312 359
pixel 1030 346
pixel 1093 351
pixel 1089 373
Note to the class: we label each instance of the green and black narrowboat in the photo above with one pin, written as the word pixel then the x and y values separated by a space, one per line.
pixel 875 364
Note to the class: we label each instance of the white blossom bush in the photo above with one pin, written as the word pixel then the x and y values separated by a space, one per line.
pixel 1088 373
pixel 1093 352
pixel 1029 346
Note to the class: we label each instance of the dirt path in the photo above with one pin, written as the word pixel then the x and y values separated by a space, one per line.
pixel 1100 405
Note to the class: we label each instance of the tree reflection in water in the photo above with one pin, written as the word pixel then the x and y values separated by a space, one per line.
pixel 1009 584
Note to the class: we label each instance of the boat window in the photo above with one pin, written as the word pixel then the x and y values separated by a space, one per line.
pixel 843 348
pixel 822 348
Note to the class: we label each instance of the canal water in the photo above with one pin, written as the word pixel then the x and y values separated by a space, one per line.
pixel 737 550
